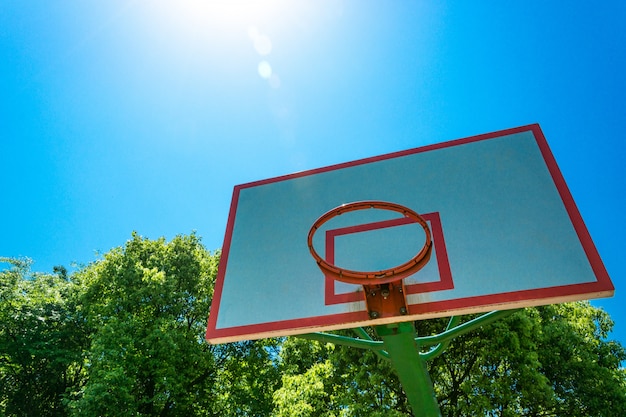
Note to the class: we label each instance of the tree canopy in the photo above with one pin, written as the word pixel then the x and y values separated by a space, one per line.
pixel 41 341
pixel 124 335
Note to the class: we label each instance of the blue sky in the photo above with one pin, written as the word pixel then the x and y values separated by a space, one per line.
pixel 142 115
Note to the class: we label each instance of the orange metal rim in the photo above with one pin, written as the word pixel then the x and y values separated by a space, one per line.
pixel 372 277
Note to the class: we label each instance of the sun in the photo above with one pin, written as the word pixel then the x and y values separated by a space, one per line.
pixel 223 15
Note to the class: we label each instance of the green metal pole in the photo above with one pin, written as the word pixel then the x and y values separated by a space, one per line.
pixel 399 341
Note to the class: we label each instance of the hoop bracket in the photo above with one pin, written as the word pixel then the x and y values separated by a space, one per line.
pixel 385 300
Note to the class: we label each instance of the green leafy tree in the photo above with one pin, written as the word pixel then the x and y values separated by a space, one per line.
pixel 307 380
pixel 41 341
pixel 323 380
pixel 125 336
pixel 147 304
pixel 306 395
pixel 548 361
pixel 247 378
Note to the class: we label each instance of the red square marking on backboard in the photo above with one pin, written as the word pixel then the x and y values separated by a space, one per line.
pixel 441 257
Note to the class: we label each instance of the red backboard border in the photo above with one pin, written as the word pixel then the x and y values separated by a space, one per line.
pixel 602 287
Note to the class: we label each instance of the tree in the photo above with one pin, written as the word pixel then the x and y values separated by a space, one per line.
pixel 147 304
pixel 307 380
pixel 247 378
pixel 323 380
pixel 41 341
pixel 546 361
pixel 551 360
pixel 125 336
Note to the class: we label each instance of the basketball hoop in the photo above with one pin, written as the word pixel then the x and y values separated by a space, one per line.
pixel 372 277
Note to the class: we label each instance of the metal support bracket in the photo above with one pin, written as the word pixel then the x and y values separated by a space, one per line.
pixel 385 300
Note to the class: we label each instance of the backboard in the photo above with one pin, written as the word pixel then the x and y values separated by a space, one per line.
pixel 506 233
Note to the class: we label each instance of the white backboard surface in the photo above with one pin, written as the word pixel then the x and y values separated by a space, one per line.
pixel 505 229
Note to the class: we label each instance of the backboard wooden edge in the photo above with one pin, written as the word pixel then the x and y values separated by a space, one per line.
pixel 214 338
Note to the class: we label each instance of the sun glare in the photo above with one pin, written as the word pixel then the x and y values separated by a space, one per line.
pixel 227 15
pixel 225 24
pixel 225 31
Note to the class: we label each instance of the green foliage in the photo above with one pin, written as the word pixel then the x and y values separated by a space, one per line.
pixel 548 361
pixel 307 386
pixel 306 395
pixel 246 379
pixel 335 381
pixel 41 342
pixel 583 367
pixel 493 371
pixel 124 336
pixel 147 304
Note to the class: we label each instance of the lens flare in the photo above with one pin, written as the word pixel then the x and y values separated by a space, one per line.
pixel 265 69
